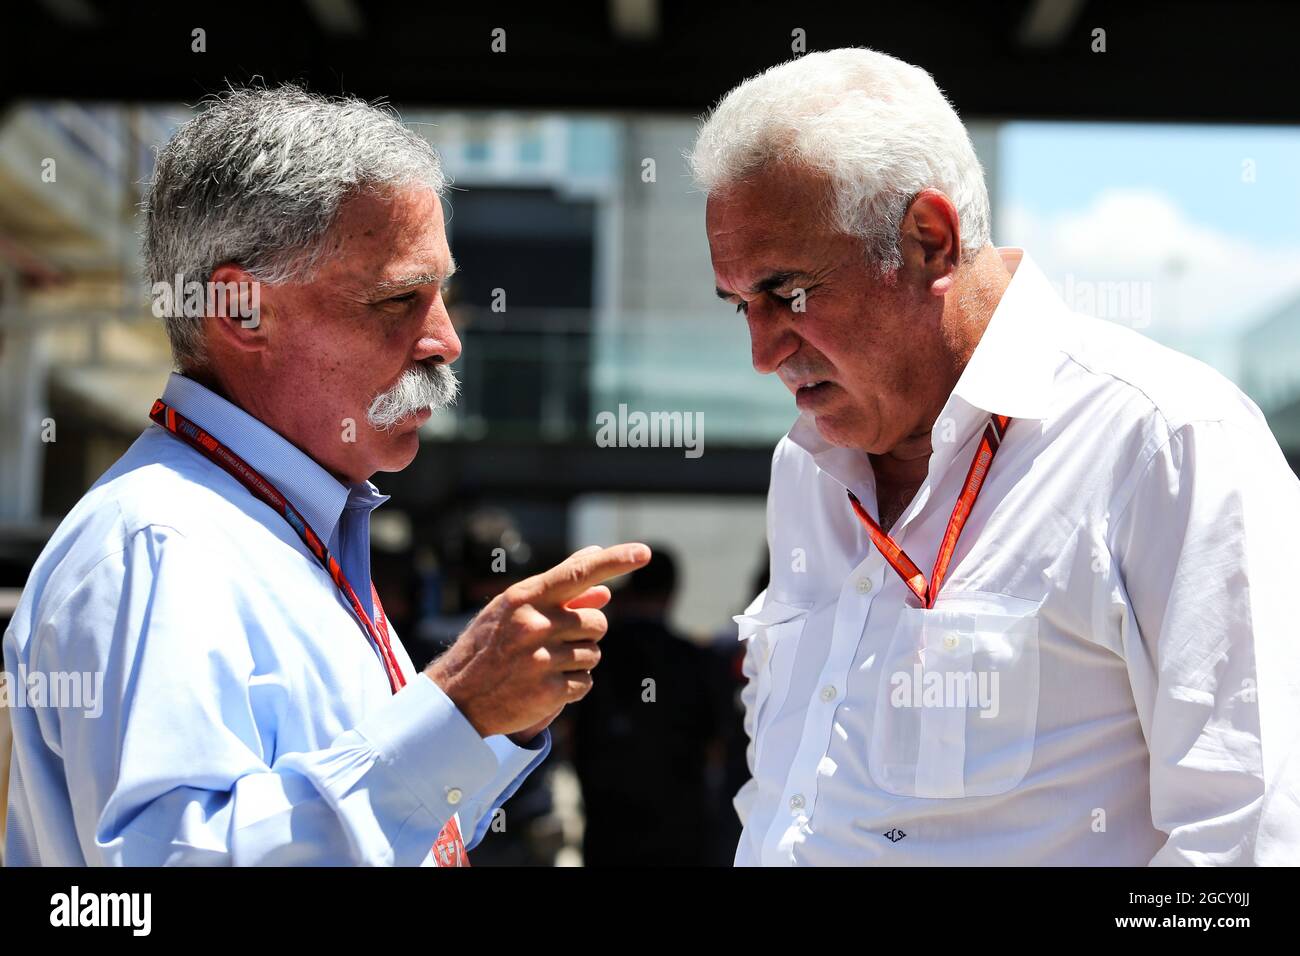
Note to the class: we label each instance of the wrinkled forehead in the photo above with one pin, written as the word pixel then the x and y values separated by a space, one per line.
pixel 411 213
pixel 768 204
pixel 767 222
pixel 386 236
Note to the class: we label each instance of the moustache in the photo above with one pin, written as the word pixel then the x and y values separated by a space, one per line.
pixel 431 386
pixel 792 372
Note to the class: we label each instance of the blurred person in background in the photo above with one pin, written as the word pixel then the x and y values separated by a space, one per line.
pixel 482 550
pixel 1030 571
pixel 728 648
pixel 257 707
pixel 643 738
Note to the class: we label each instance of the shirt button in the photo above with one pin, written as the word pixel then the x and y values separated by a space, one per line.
pixel 796 802
pixel 454 795
pixel 828 692
pixel 950 641
pixel 864 585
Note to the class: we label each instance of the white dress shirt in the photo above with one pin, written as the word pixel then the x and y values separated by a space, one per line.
pixel 244 715
pixel 1111 672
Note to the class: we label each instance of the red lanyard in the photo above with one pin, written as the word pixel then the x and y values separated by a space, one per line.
pixel 897 557
pixel 449 848
pixel 182 427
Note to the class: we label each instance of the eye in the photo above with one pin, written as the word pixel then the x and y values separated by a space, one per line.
pixel 396 305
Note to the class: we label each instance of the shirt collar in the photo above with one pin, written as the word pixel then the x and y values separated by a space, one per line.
pixel 1011 370
pixel 1009 373
pixel 318 495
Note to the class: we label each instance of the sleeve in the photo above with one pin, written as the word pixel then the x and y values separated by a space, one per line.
pixel 515 763
pixel 6 752
pixel 1203 547
pixel 744 797
pixel 182 765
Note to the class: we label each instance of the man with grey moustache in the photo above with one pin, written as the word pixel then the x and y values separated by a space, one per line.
pixel 258 708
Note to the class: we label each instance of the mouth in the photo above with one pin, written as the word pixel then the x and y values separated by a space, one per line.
pixel 812 394
pixel 409 423
pixel 815 383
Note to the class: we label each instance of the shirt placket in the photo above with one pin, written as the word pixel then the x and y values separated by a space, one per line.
pixel 811 761
pixel 798 801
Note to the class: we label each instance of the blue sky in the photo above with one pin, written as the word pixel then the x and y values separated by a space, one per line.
pixel 1166 210
pixel 1058 167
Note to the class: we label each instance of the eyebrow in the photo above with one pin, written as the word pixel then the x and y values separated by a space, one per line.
pixel 389 287
pixel 769 282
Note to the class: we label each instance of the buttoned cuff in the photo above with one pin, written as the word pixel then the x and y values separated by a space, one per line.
pixel 514 764
pixel 427 742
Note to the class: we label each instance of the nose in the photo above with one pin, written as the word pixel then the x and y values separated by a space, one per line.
pixel 771 340
pixel 438 337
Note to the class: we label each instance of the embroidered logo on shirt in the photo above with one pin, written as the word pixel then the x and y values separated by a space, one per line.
pixel 893 834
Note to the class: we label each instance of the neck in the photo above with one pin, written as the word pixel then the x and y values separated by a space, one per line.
pixel 967 310
pixel 214 382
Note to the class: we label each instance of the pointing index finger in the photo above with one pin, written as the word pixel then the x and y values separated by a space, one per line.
pixel 581 571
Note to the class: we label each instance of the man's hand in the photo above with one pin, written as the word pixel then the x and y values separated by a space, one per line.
pixel 531 650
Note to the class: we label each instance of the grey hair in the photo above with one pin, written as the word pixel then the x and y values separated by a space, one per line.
pixel 257 178
pixel 878 128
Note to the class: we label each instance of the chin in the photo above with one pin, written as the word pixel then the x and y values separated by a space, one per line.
pixel 394 450
pixel 844 437
pixel 400 450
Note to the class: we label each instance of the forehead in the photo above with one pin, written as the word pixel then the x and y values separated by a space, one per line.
pixel 400 230
pixel 774 218
pixel 776 186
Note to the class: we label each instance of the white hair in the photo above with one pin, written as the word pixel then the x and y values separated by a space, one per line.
pixel 878 128
pixel 257 178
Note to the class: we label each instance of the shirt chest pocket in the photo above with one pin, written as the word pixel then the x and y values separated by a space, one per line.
pixel 957 706
pixel 773 633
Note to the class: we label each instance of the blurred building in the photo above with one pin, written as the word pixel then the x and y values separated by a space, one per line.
pixel 585 289
pixel 585 285
pixel 1270 374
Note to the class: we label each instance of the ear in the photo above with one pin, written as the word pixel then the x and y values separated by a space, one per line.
pixel 930 234
pixel 236 311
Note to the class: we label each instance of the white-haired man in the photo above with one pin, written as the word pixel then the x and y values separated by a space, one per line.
pixel 1028 600
pixel 256 707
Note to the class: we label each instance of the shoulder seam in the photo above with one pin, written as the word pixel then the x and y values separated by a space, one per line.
pixel 1164 419
pixel 1169 428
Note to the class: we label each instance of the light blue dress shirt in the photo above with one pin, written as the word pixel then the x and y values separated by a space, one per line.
pixel 245 718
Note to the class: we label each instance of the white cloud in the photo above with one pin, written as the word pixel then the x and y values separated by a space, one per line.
pixel 1202 283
